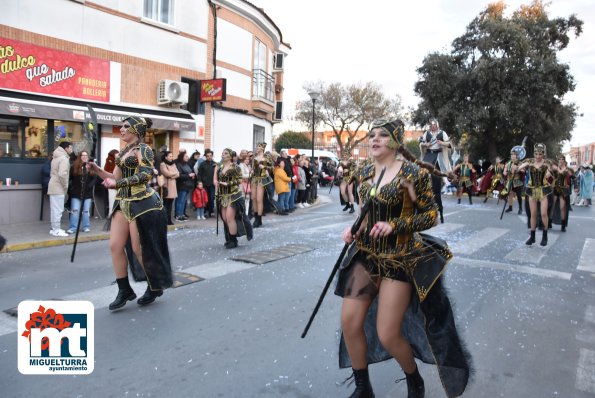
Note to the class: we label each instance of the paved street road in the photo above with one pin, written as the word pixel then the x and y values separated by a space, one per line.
pixel 527 314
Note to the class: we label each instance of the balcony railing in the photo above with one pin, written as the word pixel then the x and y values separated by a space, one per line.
pixel 263 85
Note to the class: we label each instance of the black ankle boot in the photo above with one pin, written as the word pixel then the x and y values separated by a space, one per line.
pixel 544 238
pixel 149 296
pixel 125 293
pixel 509 209
pixel 520 210
pixel 415 385
pixel 486 199
pixel 563 225
pixel 232 243
pixel 531 239
pixel 257 221
pixel 352 210
pixel 441 217
pixel 459 201
pixel 470 200
pixel 363 388
pixel 347 206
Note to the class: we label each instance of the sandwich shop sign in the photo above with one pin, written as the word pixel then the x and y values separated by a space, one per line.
pixel 27 67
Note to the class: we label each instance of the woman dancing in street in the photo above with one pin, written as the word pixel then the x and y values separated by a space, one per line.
pixel 563 182
pixel 466 173
pixel 515 181
pixel 261 176
pixel 346 168
pixel 538 189
pixel 494 179
pixel 392 270
pixel 230 200
pixel 138 214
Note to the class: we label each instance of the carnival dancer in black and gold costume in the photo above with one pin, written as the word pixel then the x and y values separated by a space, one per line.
pixel 515 181
pixel 230 200
pixel 466 175
pixel 563 182
pixel 261 176
pixel 538 190
pixel 137 214
pixel 347 167
pixel 394 304
pixel 493 180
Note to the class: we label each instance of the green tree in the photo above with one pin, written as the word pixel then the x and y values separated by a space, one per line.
pixel 291 139
pixel 502 81
pixel 413 147
pixel 348 110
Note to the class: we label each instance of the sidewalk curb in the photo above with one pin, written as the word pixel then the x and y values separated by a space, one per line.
pixel 67 241
pixel 15 247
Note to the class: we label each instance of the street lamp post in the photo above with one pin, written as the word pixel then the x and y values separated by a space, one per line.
pixel 314 95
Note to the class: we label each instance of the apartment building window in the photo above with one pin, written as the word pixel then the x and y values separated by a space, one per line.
pixel 263 83
pixel 160 11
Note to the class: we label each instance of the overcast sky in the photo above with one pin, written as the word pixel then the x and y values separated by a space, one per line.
pixel 386 41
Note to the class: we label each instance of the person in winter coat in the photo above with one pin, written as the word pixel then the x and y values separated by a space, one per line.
pixel 75 191
pixel 281 185
pixel 185 185
pixel 171 173
pixel 200 198
pixel 301 184
pixel 206 171
pixel 58 185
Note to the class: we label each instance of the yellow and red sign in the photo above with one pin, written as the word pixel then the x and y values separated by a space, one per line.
pixel 28 67
pixel 213 90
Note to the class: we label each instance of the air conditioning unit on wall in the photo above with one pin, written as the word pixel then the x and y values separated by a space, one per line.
pixel 172 92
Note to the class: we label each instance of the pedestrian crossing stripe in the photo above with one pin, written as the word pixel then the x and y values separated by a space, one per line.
pixel 587 259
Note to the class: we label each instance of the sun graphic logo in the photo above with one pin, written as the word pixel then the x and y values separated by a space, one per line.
pixel 56 337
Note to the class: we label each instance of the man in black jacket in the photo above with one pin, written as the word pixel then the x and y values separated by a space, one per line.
pixel 205 175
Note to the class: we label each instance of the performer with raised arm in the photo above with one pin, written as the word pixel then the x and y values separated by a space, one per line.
pixel 434 146
pixel 138 214
pixel 261 176
pixel 563 182
pixel 538 189
pixel 466 176
pixel 515 180
pixel 390 270
pixel 494 179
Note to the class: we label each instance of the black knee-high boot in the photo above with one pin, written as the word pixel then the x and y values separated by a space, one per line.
pixel 459 201
pixel 544 238
pixel 531 239
pixel 441 216
pixel 563 225
pixel 363 388
pixel 415 385
pixel 125 293
pixel 520 200
pixel 233 242
pixel 470 200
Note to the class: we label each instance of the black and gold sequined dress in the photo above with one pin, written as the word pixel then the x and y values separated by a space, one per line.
pixel 232 195
pixel 409 256
pixel 262 176
pixel 139 203
pixel 563 181
pixel 538 187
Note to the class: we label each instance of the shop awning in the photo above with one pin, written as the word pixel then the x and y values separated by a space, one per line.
pixel 42 107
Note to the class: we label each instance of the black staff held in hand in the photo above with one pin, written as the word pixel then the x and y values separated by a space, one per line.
pixel 354 228
pixel 90 132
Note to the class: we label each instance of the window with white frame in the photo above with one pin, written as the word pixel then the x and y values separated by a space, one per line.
pixel 262 82
pixel 160 11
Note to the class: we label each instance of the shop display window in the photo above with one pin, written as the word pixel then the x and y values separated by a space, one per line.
pixel 73 132
pixel 10 138
pixel 36 138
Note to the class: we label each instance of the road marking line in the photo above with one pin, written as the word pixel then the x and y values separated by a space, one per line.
pixel 586 336
pixel 478 240
pixel 585 376
pixel 445 229
pixel 534 253
pixel 587 260
pixel 8 324
pixel 546 273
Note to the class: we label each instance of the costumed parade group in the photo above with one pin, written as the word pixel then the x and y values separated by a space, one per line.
pixel 390 274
